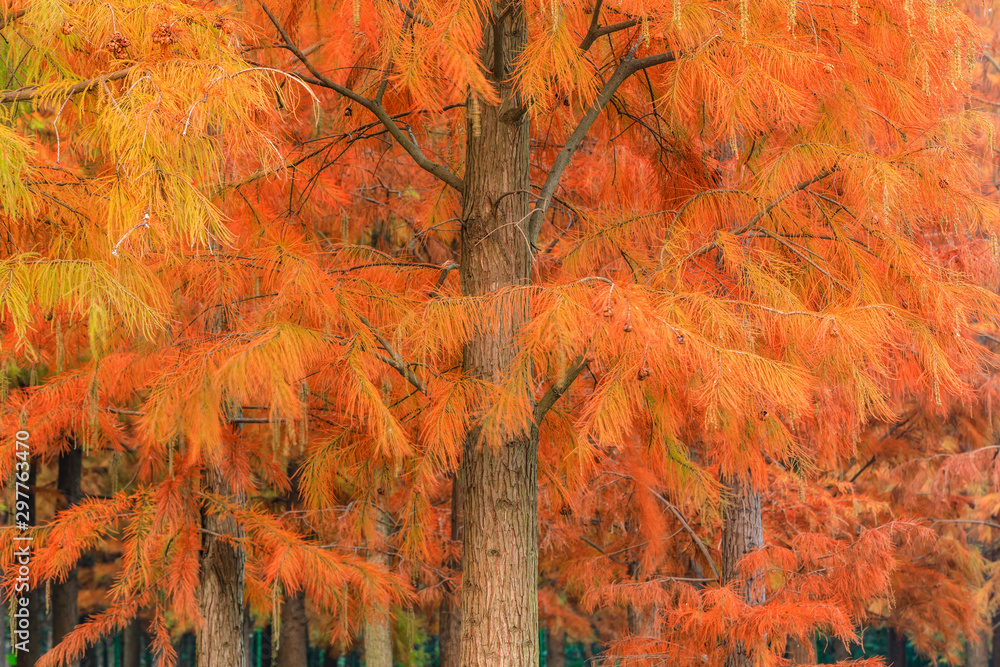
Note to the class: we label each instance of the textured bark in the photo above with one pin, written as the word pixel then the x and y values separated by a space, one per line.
pixel 499 479
pixel 221 640
pixel 977 650
pixel 557 647
pixel 450 613
pixel 293 649
pixel 132 644
pixel 897 649
pixel 378 632
pixel 800 653
pixel 65 612
pixel 742 533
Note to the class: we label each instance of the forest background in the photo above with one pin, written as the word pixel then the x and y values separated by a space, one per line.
pixel 472 332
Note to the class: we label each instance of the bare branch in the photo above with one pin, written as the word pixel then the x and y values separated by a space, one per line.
pixel 396 360
pixel 690 531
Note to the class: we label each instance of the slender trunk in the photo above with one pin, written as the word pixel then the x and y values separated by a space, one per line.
pixel 557 646
pixel 801 653
pixel 293 648
pixel 132 644
pixel 742 532
pixel 332 657
pixel 378 632
pixel 977 650
pixel 221 640
pixel 897 648
pixel 65 612
pixel 450 614
pixel 499 473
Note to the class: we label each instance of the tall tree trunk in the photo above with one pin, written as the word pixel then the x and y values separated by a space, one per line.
pixel 557 646
pixel 897 648
pixel 65 612
pixel 293 649
pixel 977 650
pixel 801 653
pixel 450 614
pixel 742 532
pixel 36 597
pixel 132 644
pixel 499 479
pixel 221 640
pixel 378 632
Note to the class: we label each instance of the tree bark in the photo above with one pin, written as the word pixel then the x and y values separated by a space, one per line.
pixel 378 632
pixel 977 650
pixel 293 649
pixel 36 597
pixel 132 644
pixel 221 640
pixel 996 639
pixel 65 610
pixel 800 653
pixel 499 597
pixel 742 533
pixel 897 648
pixel 450 613
pixel 557 646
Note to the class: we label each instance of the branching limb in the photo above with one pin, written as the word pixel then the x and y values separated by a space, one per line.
pixel 690 531
pixel 560 387
pixel 595 31
pixel 395 359
pixel 629 66
pixel 410 146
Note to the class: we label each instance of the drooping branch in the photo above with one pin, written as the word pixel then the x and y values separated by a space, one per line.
pixel 694 536
pixel 626 68
pixel 395 359
pixel 408 143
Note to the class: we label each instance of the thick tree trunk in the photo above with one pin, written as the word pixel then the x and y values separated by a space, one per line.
pixel 221 640
pixel 557 647
pixel 450 613
pixel 742 533
pixel 65 612
pixel 293 649
pixel 977 650
pixel 132 644
pixel 897 648
pixel 499 479
pixel 378 632
pixel 800 653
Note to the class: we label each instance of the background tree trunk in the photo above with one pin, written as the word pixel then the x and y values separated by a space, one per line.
pixel 557 646
pixel 132 644
pixel 800 653
pixel 742 532
pixel 840 650
pixel 897 648
pixel 65 612
pixel 221 640
pixel 499 598
pixel 450 614
pixel 977 650
pixel 378 631
pixel 293 649
pixel 996 639
pixel 36 597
